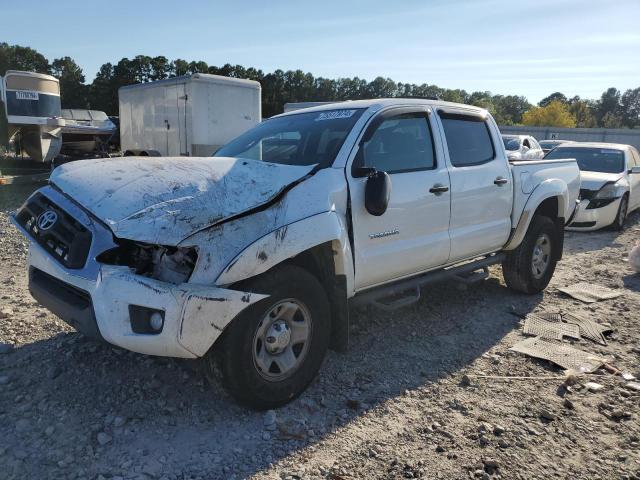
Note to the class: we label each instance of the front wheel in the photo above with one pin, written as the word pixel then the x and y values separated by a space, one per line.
pixel 274 349
pixel 621 217
pixel 529 268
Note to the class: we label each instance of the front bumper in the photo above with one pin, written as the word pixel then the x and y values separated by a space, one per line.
pixel 96 300
pixel 587 220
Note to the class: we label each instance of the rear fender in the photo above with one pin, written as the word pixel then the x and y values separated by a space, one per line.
pixel 552 188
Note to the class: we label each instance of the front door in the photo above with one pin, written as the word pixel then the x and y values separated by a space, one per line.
pixel 413 234
pixel 481 186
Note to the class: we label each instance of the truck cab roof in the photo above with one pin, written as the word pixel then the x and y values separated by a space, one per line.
pixel 379 103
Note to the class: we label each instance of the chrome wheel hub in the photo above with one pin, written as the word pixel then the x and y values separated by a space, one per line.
pixel 282 339
pixel 541 256
pixel 278 337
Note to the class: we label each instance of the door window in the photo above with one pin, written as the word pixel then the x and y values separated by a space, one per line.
pixel 468 140
pixel 400 144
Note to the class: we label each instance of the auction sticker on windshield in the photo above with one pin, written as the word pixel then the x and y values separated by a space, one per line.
pixel 334 114
pixel 22 95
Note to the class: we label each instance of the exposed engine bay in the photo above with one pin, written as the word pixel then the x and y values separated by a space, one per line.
pixel 167 264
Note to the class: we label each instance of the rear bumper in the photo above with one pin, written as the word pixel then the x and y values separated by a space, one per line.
pixel 587 220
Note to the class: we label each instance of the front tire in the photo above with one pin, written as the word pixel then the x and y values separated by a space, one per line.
pixel 621 217
pixel 529 268
pixel 273 350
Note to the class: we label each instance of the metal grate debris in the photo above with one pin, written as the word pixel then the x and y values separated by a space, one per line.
pixel 588 328
pixel 562 355
pixel 554 330
pixel 590 293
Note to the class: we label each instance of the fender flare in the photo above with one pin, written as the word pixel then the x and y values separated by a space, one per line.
pixel 290 240
pixel 553 188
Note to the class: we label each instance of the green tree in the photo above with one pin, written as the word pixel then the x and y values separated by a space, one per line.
pixel 508 110
pixel 583 111
pixel 611 120
pixel 16 57
pixel 161 68
pixel 554 97
pixel 180 67
pixel 630 107
pixel 555 114
pixel 608 106
pixel 73 91
pixel 103 95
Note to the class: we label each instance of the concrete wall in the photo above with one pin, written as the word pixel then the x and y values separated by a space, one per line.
pixel 610 135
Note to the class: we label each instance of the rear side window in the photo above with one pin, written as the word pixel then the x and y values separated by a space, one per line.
pixel 401 144
pixel 468 140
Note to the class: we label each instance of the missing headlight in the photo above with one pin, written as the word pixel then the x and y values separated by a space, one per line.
pixel 167 264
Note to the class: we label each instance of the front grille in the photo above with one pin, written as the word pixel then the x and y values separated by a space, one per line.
pixel 66 239
pixel 586 194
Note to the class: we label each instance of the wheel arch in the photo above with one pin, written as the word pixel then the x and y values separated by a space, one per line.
pixel 318 244
pixel 550 198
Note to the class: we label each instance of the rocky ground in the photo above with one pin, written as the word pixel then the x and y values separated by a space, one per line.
pixel 407 400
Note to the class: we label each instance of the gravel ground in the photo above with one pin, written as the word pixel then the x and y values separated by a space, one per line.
pixel 397 405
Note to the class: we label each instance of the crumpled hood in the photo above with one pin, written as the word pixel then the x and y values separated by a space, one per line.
pixel 163 200
pixel 595 180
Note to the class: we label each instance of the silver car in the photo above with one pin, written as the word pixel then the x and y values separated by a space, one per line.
pixel 522 147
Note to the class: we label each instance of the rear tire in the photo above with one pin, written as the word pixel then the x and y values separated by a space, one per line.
pixel 262 360
pixel 529 268
pixel 621 217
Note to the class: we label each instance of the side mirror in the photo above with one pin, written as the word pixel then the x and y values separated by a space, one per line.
pixel 377 193
pixel 634 170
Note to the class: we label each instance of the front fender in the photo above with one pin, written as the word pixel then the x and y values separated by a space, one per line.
pixel 291 240
pixel 552 188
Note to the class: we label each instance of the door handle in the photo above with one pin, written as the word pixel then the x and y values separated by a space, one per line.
pixel 500 181
pixel 438 188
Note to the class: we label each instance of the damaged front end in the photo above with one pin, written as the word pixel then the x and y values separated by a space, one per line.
pixel 164 263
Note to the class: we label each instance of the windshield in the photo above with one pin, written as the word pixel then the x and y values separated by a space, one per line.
pixel 605 160
pixel 511 143
pixel 299 139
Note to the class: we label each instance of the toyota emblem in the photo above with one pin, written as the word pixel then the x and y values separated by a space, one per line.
pixel 47 219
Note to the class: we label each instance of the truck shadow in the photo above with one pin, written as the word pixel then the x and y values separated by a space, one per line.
pixel 171 416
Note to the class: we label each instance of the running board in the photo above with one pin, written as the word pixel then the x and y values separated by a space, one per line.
pixel 409 289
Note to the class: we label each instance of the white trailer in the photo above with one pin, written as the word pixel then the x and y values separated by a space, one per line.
pixel 192 115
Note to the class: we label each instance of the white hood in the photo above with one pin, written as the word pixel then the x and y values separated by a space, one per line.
pixel 163 200
pixel 595 180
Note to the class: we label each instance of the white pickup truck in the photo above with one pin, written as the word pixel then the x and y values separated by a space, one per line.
pixel 252 258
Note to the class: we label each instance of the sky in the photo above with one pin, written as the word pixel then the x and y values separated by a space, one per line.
pixel 530 48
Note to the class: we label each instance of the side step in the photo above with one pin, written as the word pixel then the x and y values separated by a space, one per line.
pixel 408 291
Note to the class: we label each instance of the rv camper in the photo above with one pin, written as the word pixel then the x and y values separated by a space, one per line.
pixel 32 114
pixel 192 115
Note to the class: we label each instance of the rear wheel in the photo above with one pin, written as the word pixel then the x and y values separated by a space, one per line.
pixel 529 267
pixel 274 349
pixel 621 217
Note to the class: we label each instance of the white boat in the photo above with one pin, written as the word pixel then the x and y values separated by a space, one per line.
pixel 86 130
pixel 31 106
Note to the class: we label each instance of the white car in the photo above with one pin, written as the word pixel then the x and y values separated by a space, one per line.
pixel 252 258
pixel 522 147
pixel 610 185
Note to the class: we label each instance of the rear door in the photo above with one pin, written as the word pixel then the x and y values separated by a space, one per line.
pixel 481 186
pixel 413 234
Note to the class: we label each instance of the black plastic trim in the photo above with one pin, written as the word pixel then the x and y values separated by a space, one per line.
pixel 71 304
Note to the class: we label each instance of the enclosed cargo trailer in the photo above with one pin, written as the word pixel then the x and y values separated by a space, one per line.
pixel 192 115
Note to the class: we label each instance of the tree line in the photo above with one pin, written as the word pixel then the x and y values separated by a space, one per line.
pixel 614 109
